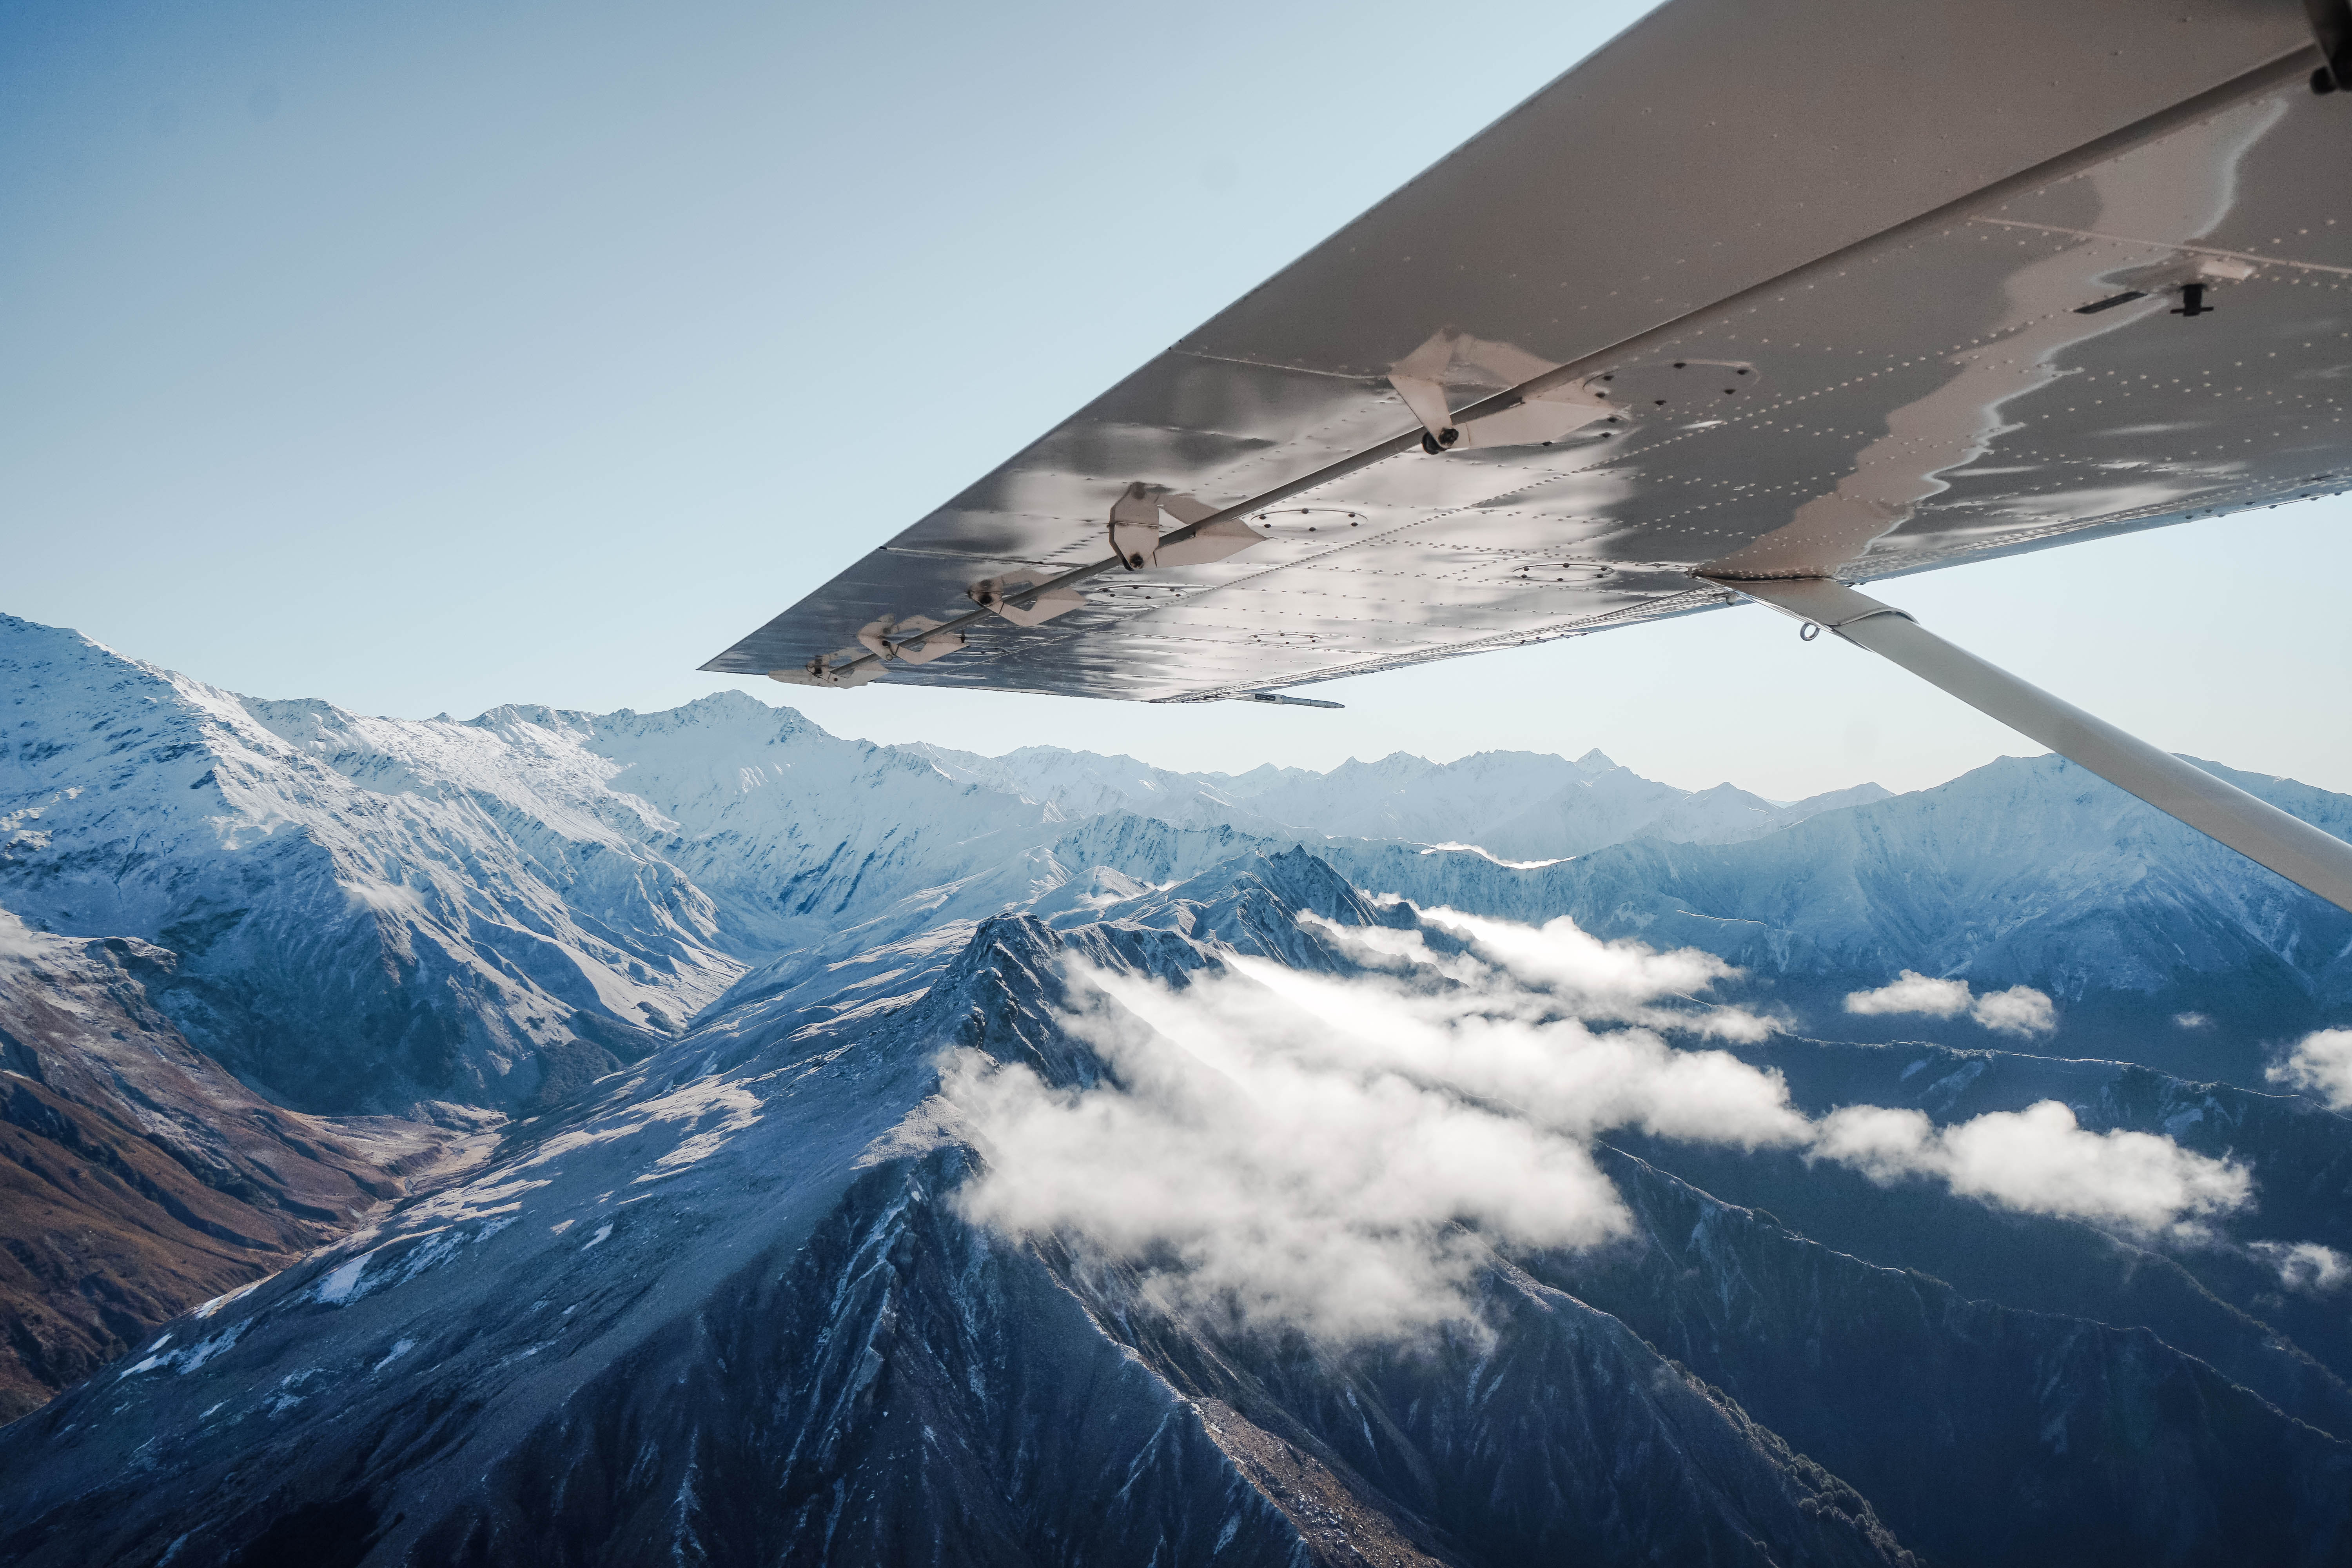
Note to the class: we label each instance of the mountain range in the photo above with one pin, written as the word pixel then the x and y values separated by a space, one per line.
pixel 541 1138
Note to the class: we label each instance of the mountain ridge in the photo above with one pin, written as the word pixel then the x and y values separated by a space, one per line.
pixel 659 1260
pixel 668 1248
pixel 895 1273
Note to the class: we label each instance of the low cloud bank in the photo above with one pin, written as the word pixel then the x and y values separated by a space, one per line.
pixel 2037 1161
pixel 2320 1065
pixel 2021 1010
pixel 1338 1153
pixel 1246 1178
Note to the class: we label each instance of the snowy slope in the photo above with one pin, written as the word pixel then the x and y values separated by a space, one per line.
pixel 1514 805
pixel 371 912
pixel 2024 871
pixel 355 936
pixel 715 1294
pixel 727 1307
pixel 368 912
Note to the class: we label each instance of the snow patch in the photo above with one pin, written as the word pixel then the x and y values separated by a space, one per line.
pixel 337 1287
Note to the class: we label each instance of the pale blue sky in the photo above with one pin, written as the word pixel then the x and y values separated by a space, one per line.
pixel 432 356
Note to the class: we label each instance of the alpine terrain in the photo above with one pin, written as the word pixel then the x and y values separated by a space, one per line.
pixel 555 1137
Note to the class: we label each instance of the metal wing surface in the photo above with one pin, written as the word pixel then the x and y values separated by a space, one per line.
pixel 1814 288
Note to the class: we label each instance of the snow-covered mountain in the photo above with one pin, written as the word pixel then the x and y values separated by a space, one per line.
pixel 454 920
pixel 625 1048
pixel 370 912
pixel 1512 804
pixel 2159 946
pixel 731 1306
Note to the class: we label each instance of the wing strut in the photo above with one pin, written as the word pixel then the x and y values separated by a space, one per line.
pixel 2260 831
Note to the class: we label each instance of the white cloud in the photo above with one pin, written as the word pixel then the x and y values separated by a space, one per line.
pixel 2321 1065
pixel 2192 1021
pixel 1246 1175
pixel 2040 1161
pixel 1511 1047
pixel 1624 980
pixel 1337 1153
pixel 2305 1266
pixel 2021 1010
pixel 1914 993
pixel 1603 978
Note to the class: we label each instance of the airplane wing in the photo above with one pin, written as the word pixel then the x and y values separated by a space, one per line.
pixel 1812 289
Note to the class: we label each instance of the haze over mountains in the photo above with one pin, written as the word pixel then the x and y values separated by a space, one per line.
pixel 626 1048
pixel 1513 805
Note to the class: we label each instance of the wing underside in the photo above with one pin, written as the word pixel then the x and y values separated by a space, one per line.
pixel 1827 288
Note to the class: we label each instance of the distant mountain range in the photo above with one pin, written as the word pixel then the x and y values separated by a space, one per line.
pixel 507 906
pixel 2159 946
pixel 1513 805
pixel 613 1044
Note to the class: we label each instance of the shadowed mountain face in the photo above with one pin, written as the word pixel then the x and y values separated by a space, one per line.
pixel 541 1139
pixel 728 1308
pixel 141 1179
pixel 2101 1444
pixel 2225 1302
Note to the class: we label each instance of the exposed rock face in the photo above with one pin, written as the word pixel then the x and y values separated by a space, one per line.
pixel 141 1179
